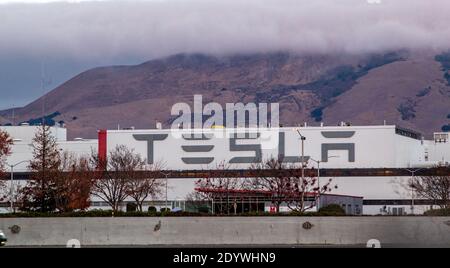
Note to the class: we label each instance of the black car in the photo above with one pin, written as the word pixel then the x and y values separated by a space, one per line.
pixel 3 239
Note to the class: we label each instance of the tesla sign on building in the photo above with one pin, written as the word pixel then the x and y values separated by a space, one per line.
pixel 351 147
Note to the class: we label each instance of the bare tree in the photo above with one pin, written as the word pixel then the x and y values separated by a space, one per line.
pixel 142 185
pixel 435 188
pixel 217 186
pixel 276 184
pixel 286 185
pixel 115 174
pixel 5 150
pixel 303 192
pixel 14 195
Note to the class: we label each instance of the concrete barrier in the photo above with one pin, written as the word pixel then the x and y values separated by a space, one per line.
pixel 141 231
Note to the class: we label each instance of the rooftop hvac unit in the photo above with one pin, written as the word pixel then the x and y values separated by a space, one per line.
pixel 440 137
pixel 443 164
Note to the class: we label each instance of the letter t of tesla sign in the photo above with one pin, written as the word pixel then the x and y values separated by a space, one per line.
pixel 150 139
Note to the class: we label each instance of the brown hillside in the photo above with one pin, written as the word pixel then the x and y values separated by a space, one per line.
pixel 397 87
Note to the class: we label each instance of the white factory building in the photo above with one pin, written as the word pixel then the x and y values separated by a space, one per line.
pixel 336 147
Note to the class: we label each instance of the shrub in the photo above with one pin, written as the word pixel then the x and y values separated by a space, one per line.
pixel 407 110
pixel 438 212
pixel 444 59
pixel 331 210
pixel 447 76
pixel 446 128
pixel 164 210
pixel 131 207
pixel 424 92
pixel 152 209
pixel 317 114
pixel 98 213
pixel 203 209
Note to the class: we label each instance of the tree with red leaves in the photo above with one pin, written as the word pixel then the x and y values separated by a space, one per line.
pixel 73 183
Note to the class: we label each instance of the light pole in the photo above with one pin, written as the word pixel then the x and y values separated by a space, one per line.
pixel 166 175
pixel 11 201
pixel 303 138
pixel 318 176
pixel 413 172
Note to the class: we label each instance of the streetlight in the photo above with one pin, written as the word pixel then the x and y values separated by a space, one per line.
pixel 166 175
pixel 303 138
pixel 11 201
pixel 318 175
pixel 413 172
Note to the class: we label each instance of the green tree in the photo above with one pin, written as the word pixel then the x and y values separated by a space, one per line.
pixel 40 192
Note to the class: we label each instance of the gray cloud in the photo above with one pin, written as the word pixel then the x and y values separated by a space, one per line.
pixel 158 28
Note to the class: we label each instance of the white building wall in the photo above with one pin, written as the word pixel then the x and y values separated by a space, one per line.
pixel 375 147
pixel 82 148
pixel 26 133
pixel 22 150
pixel 409 152
pixel 438 152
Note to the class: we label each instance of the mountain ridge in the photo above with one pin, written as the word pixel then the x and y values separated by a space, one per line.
pixel 400 87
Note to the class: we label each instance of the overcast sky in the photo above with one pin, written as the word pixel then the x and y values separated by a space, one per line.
pixel 72 36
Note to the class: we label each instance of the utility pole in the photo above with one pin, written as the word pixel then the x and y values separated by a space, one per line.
pixel 44 82
pixel 13 115
pixel 43 91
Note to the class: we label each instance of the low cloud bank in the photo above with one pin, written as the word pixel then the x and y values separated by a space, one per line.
pixel 150 29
